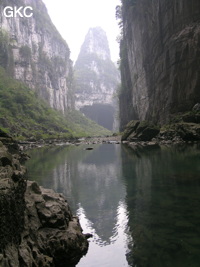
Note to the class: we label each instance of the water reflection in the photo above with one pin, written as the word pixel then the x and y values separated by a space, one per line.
pixel 104 254
pixel 163 196
pixel 92 182
pixel 142 208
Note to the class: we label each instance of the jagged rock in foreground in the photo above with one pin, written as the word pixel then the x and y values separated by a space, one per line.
pixel 37 227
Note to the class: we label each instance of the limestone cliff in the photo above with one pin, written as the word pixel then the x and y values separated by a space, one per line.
pixel 33 51
pixel 159 59
pixel 96 79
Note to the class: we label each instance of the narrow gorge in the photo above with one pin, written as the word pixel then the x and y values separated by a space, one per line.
pixel 159 59
pixel 35 59
pixel 96 80
pixel 118 140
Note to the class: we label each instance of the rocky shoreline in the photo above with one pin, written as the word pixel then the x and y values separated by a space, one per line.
pixel 169 136
pixel 30 144
pixel 37 227
pixel 183 128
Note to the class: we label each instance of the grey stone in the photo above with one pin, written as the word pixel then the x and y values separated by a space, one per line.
pixel 196 107
pixel 140 131
pixel 37 227
pixel 159 59
pixel 43 62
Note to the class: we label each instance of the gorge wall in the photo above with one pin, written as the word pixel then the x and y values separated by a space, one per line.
pixel 96 80
pixel 160 54
pixel 32 51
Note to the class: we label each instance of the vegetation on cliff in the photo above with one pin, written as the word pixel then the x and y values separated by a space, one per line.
pixel 24 115
pixel 88 79
pixel 96 79
pixel 94 69
pixel 33 51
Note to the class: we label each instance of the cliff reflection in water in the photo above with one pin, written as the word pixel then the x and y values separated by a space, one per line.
pixel 90 180
pixel 143 208
pixel 163 196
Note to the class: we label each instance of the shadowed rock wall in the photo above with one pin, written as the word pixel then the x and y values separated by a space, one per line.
pixel 160 55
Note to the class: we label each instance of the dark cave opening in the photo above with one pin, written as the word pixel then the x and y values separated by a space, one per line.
pixel 100 113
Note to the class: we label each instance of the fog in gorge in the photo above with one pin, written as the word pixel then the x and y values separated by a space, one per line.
pixel 96 76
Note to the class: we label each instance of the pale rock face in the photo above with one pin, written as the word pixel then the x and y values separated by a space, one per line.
pixel 96 42
pixel 41 58
pixel 96 76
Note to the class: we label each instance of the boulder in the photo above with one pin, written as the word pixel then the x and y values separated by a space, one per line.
pixel 146 131
pixel 140 131
pixel 189 131
pixel 180 132
pixel 37 227
pixel 129 129
pixel 5 158
pixel 55 234
pixel 196 107
pixel 191 118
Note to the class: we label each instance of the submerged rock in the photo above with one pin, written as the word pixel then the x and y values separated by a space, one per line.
pixel 37 227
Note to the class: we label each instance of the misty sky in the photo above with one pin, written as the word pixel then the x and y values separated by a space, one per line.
pixel 73 18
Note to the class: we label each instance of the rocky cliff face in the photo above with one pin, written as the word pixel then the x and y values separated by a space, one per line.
pixel 96 79
pixel 33 51
pixel 159 59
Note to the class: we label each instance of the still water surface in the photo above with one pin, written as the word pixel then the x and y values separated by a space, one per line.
pixel 142 208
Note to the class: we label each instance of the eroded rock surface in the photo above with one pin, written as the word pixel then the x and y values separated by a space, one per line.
pixel 159 59
pixel 37 227
pixel 33 51
pixel 184 127
pixel 140 131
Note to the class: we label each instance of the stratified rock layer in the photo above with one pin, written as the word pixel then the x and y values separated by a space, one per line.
pixel 159 59
pixel 37 227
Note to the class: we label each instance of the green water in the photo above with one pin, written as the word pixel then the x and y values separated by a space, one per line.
pixel 142 208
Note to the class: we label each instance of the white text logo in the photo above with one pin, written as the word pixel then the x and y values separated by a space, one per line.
pixel 13 12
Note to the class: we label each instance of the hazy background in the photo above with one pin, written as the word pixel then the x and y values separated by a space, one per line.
pixel 73 18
